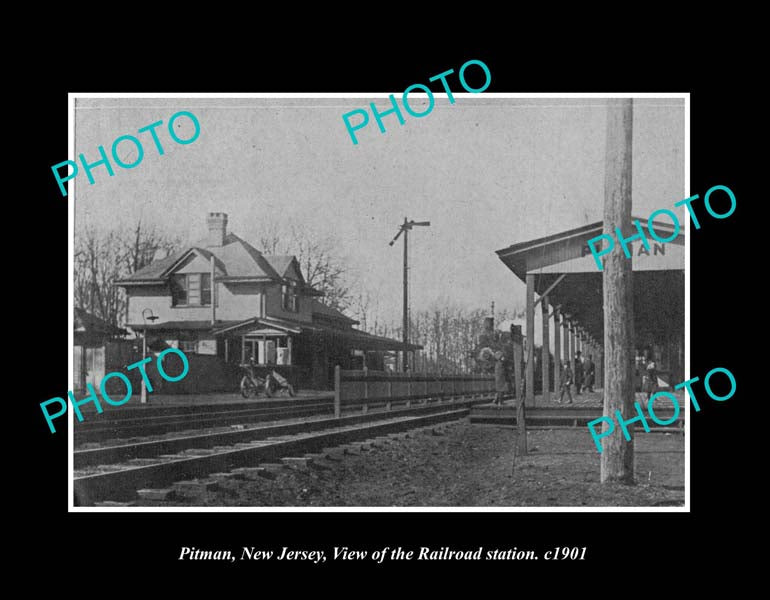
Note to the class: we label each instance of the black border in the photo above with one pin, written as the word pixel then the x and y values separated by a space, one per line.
pixel 628 541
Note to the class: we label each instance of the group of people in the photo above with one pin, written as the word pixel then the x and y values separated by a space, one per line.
pixel 582 376
pixel 581 373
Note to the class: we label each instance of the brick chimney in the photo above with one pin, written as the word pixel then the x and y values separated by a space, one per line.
pixel 217 224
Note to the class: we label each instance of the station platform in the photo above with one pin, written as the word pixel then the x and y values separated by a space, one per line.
pixel 585 407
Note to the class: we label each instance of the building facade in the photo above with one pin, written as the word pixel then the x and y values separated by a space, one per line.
pixel 222 300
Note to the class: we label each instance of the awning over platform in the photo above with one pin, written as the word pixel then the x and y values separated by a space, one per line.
pixel 367 341
pixel 173 326
pixel 256 323
pixel 565 261
pixel 359 340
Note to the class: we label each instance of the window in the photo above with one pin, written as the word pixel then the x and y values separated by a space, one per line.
pixel 206 289
pixel 192 289
pixel 268 350
pixel 188 347
pixel 179 290
pixel 290 297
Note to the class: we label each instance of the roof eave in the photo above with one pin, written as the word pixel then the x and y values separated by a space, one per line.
pixel 130 282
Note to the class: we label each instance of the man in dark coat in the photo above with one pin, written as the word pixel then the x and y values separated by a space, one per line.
pixel 578 373
pixel 501 378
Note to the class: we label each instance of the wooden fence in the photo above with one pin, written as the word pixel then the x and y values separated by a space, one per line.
pixel 365 389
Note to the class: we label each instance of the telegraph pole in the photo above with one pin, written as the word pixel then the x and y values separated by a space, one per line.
pixel 617 458
pixel 405 329
pixel 405 227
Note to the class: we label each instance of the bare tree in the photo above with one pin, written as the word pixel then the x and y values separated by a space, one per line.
pixel 98 262
pixel 361 308
pixel 140 248
pixel 448 334
pixel 318 256
pixel 101 257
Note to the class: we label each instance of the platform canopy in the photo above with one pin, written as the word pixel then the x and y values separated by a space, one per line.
pixel 564 261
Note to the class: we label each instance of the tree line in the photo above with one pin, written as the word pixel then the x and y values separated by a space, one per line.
pixel 447 332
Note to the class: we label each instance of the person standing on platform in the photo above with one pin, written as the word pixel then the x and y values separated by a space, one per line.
pixel 501 379
pixel 650 379
pixel 578 373
pixel 565 382
pixel 589 368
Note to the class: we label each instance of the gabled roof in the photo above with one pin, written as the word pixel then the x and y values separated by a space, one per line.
pixel 536 255
pixel 283 265
pixel 564 268
pixel 238 327
pixel 85 322
pixel 193 250
pixel 236 258
pixel 280 263
pixel 242 259
pixel 155 269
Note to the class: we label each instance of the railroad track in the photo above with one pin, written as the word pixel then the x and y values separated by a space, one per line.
pixel 549 416
pixel 167 419
pixel 116 473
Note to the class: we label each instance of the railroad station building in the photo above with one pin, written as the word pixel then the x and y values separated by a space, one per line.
pixel 561 271
pixel 223 302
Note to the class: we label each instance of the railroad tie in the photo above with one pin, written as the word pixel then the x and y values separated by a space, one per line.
pixel 155 494
pixel 319 462
pixel 252 473
pixel 222 477
pixel 275 468
pixel 298 463
pixel 194 487
pixel 334 454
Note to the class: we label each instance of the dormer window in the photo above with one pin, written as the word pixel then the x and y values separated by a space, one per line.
pixel 290 297
pixel 191 289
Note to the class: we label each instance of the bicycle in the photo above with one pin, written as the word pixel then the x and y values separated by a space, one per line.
pixel 252 384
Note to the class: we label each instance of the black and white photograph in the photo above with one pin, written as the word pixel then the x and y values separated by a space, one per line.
pixel 473 301
pixel 392 314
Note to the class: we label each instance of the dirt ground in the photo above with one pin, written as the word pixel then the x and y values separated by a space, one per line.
pixel 469 465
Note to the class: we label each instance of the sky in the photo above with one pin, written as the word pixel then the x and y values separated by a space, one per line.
pixel 486 171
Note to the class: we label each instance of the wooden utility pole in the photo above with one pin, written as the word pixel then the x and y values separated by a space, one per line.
pixel 556 350
pixel 518 353
pixel 546 354
pixel 617 457
pixel 406 299
pixel 518 386
pixel 404 229
pixel 530 360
